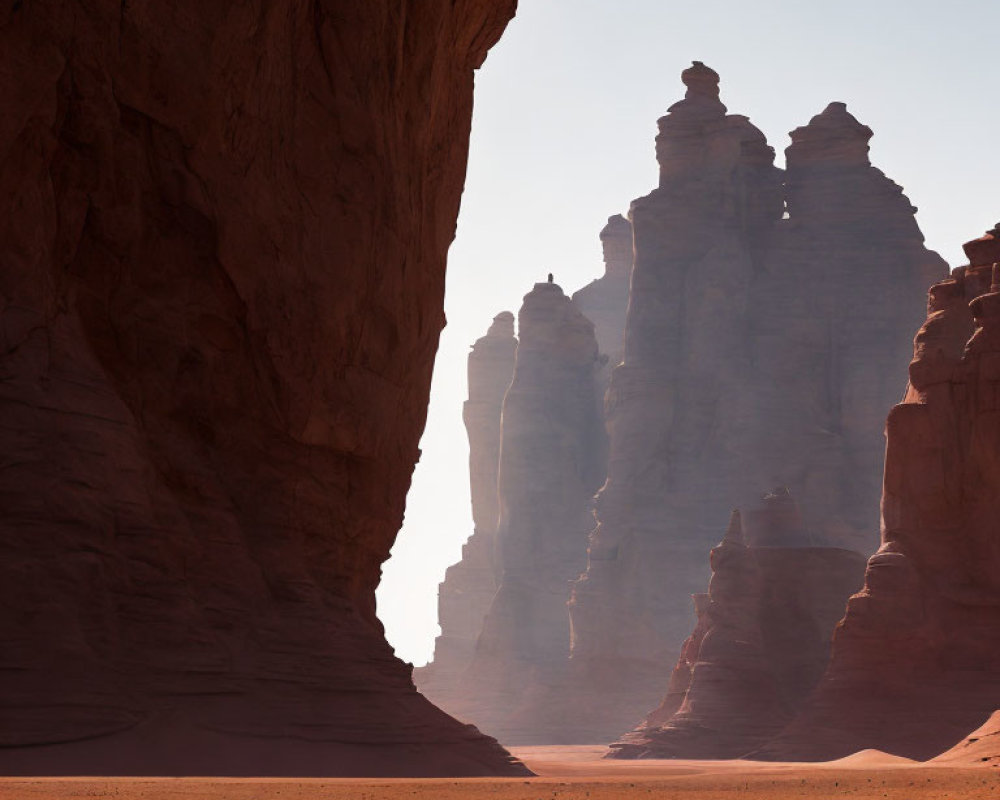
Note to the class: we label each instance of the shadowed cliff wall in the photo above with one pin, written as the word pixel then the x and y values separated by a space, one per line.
pixel 223 251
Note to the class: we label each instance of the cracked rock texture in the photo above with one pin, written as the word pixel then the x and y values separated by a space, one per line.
pixel 769 319
pixel 223 248
pixel 465 594
pixel 761 642
pixel 916 663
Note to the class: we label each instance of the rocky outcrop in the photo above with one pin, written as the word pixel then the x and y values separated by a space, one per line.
pixel 915 662
pixel 550 466
pixel 761 642
pixel 766 327
pixel 604 301
pixel 981 748
pixel 467 590
pixel 223 251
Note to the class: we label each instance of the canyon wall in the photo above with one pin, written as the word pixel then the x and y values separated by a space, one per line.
pixel 766 330
pixel 223 254
pixel 465 594
pixel 761 641
pixel 915 663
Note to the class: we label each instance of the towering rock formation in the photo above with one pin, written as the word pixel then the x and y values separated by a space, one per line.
pixel 550 466
pixel 468 587
pixel 836 310
pixel 761 643
pixel 915 663
pixel 223 248
pixel 762 346
pixel 465 595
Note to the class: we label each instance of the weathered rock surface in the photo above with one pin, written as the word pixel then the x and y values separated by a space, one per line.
pixel 761 642
pixel 981 748
pixel 551 464
pixel 223 251
pixel 467 590
pixel 767 325
pixel 915 662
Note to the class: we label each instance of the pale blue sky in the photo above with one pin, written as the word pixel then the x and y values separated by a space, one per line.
pixel 566 110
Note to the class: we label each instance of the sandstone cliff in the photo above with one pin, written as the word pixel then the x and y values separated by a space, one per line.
pixel 223 252
pixel 551 463
pixel 915 662
pixel 761 642
pixel 765 333
pixel 467 590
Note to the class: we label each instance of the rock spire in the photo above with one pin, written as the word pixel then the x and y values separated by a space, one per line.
pixel 469 585
pixel 760 645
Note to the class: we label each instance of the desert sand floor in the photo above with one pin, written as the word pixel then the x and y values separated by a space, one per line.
pixel 566 773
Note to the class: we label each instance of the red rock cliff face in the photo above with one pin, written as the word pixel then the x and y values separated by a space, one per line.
pixel 467 590
pixel 915 662
pixel 761 349
pixel 223 252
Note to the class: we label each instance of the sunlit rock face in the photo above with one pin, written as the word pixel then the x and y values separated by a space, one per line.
pixel 980 748
pixel 761 641
pixel 468 588
pixel 223 255
pixel 767 328
pixel 915 663
pixel 551 464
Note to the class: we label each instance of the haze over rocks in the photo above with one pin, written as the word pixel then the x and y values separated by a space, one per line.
pixel 768 323
pixel 467 590
pixel 551 464
pixel 761 642
pixel 769 317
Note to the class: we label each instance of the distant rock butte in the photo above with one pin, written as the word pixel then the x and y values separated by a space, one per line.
pixel 761 642
pixel 769 318
pixel 916 661
pixel 468 588
pixel 223 263
pixel 551 464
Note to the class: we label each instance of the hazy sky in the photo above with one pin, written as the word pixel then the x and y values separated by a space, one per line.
pixel 562 137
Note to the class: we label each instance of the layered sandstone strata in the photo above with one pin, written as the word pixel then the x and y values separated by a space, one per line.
pixel 551 464
pixel 467 590
pixel 761 642
pixel 766 327
pixel 915 662
pixel 223 251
